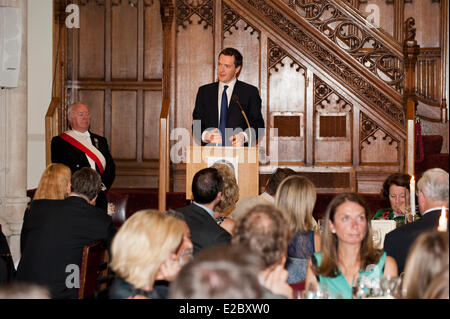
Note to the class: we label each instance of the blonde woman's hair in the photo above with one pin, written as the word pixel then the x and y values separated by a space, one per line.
pixel 296 197
pixel 53 183
pixel 142 244
pixel 368 254
pixel 427 257
pixel 230 192
pixel 438 288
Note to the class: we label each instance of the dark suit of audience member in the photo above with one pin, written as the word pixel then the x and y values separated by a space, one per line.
pixel 207 186
pixel 75 158
pixel 432 193
pixel 55 231
pixel 209 110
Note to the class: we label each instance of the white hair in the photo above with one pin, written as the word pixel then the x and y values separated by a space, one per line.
pixel 434 185
pixel 70 107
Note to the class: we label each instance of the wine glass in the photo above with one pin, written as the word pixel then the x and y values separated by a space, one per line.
pixel 390 286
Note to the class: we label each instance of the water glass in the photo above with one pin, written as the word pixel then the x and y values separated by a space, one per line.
pixel 390 286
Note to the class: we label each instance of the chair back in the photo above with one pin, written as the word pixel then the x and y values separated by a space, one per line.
pixel 94 265
pixel 6 260
pixel 296 268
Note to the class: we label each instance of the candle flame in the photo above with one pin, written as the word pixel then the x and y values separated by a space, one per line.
pixel 443 220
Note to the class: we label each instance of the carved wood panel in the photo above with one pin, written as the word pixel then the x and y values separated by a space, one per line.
pixel 377 145
pixel 331 109
pixel 124 40
pixel 287 98
pixel 92 41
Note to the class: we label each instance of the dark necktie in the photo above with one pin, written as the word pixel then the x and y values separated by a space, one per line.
pixel 223 113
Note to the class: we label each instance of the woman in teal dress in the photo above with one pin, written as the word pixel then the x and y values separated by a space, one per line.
pixel 347 250
pixel 396 191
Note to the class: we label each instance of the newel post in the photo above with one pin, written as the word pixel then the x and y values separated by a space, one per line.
pixel 410 52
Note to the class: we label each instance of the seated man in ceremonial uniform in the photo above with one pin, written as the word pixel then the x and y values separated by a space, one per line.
pixel 79 148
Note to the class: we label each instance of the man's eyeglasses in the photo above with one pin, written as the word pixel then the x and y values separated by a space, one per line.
pixel 185 256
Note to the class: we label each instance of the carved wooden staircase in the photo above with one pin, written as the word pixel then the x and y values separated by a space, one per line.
pixel 357 69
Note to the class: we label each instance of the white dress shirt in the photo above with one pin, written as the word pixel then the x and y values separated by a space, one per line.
pixel 87 137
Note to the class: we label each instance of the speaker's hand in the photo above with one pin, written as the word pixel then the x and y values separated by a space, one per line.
pixel 238 139
pixel 213 136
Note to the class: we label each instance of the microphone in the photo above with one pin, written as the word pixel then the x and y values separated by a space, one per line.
pixel 236 100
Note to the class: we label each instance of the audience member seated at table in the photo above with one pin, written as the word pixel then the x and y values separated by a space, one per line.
pixel 264 231
pixel 347 249
pixel 438 288
pixel 222 272
pixel 265 198
pixel 55 231
pixel 395 191
pixel 207 186
pixel 427 258
pixel 20 290
pixel 185 254
pixel 230 195
pixel 54 182
pixel 296 197
pixel 146 248
pixel 186 248
pixel 432 194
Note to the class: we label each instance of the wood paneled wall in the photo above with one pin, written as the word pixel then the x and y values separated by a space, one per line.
pixel 343 129
pixel 115 66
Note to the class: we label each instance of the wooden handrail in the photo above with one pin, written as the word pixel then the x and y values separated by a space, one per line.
pixel 164 162
pixel 52 125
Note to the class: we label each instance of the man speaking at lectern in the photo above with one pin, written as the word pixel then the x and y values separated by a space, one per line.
pixel 218 106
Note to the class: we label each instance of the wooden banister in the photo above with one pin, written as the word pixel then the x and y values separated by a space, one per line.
pixel 164 162
pixel 411 51
pixel 52 125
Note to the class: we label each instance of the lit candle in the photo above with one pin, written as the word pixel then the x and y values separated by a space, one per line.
pixel 442 220
pixel 412 196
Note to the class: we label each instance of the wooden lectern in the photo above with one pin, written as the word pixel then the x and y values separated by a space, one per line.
pixel 243 160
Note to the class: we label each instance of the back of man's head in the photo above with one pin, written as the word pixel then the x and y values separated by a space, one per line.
pixel 87 182
pixel 206 184
pixel 276 178
pixel 434 185
pixel 222 272
pixel 264 231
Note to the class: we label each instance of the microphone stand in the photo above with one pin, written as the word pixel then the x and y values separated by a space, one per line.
pixel 235 99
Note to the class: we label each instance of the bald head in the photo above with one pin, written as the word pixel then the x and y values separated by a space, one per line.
pixel 79 117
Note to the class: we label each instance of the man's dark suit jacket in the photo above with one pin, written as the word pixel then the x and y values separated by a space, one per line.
pixel 67 154
pixel 53 235
pixel 398 242
pixel 207 110
pixel 205 232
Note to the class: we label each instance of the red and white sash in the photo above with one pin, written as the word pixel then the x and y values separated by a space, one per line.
pixel 87 148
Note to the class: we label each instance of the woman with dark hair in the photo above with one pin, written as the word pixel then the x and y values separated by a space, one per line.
pixel 396 191
pixel 347 249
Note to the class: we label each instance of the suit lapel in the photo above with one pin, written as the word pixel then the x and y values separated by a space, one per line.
pixel 232 105
pixel 215 99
